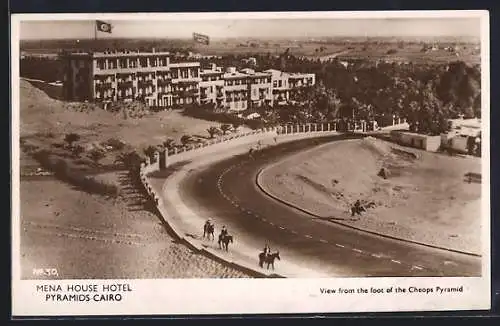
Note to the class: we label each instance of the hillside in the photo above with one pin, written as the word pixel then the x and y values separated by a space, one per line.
pixel 444 210
pixel 44 118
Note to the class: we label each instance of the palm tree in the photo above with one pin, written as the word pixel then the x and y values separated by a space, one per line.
pixel 225 128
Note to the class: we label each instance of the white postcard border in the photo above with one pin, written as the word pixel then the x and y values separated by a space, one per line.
pixel 213 296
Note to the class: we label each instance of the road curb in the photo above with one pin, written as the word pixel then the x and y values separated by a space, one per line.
pixel 258 181
pixel 194 244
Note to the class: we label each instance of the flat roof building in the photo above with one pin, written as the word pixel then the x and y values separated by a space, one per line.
pixel 161 79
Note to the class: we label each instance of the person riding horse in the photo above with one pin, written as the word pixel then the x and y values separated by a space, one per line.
pixel 208 229
pixel 357 208
pixel 267 250
pixel 223 232
pixel 224 238
pixel 266 257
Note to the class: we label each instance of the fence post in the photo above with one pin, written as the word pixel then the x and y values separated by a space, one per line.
pixel 166 158
pixel 157 161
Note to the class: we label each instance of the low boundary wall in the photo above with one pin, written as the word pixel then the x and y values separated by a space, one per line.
pixel 283 133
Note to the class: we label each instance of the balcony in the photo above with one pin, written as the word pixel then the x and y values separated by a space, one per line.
pixel 145 83
pixel 191 80
pixel 104 85
pixel 220 95
pixel 123 84
pixel 187 93
pixel 164 81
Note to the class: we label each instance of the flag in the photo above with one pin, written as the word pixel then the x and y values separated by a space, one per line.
pixel 200 38
pixel 103 26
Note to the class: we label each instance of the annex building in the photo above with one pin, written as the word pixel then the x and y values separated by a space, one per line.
pixel 162 81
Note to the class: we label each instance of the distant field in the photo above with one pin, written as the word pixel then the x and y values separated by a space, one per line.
pixel 374 49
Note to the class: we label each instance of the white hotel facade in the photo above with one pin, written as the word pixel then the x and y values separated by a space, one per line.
pixel 162 82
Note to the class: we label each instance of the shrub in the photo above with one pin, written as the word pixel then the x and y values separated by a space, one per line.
pixel 115 143
pixel 71 138
pixel 225 128
pixel 212 131
pixel 169 143
pixel 96 155
pixel 130 160
pixel 186 139
pixel 150 150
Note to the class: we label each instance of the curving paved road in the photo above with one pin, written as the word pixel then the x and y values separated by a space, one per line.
pixel 227 191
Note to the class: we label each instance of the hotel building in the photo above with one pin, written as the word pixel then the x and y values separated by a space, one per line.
pixel 160 81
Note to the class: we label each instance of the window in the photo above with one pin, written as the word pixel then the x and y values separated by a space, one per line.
pixel 280 83
pixel 275 83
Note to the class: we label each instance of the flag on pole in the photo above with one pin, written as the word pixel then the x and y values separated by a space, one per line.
pixel 103 26
pixel 200 38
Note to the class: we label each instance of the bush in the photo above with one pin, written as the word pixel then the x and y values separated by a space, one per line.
pixel 186 139
pixel 115 143
pixel 71 138
pixel 96 155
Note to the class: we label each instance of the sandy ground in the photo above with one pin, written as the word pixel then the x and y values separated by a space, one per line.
pixel 87 236
pixel 424 199
pixel 40 114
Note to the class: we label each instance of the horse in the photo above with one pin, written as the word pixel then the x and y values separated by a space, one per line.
pixel 224 241
pixel 268 259
pixel 208 230
pixel 357 210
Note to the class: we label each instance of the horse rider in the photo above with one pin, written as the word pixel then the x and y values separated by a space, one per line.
pixel 357 206
pixel 267 250
pixel 223 232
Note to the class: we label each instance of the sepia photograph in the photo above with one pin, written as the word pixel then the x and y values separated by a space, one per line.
pixel 218 151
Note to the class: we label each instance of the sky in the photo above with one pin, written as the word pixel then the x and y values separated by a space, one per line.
pixel 258 28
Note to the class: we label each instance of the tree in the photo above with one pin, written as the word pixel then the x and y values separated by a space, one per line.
pixel 225 128
pixel 71 138
pixel 150 150
pixel 428 115
pixel 212 131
